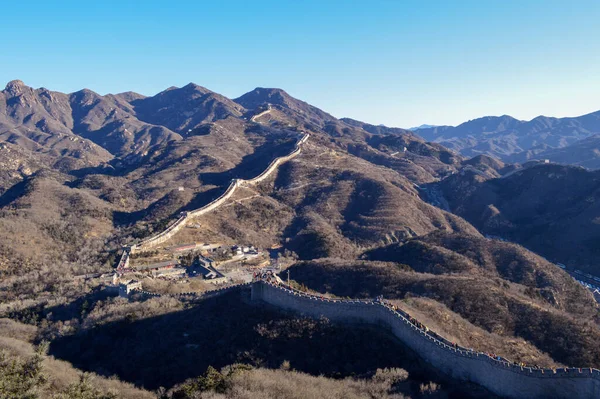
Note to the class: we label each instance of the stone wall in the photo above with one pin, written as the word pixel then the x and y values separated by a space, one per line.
pixel 498 376
pixel 198 295
pixel 163 235
pixel 219 201
pixel 180 223
pixel 273 166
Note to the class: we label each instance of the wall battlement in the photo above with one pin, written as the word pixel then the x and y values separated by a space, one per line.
pixel 497 375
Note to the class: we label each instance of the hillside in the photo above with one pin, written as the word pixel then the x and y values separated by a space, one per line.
pixel 584 153
pixel 501 288
pixel 511 140
pixel 518 208
pixel 137 184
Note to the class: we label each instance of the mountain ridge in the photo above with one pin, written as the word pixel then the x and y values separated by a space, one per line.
pixel 504 136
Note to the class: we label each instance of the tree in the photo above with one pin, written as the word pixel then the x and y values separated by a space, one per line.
pixel 22 379
pixel 83 389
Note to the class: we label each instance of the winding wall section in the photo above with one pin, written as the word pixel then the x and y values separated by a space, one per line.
pixel 499 376
pixel 185 216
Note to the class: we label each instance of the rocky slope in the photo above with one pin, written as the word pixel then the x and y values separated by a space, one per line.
pixel 551 209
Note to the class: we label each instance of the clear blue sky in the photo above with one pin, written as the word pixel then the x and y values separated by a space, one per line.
pixel 400 63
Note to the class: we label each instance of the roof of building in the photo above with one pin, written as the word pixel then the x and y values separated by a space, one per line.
pixel 204 260
pixel 210 272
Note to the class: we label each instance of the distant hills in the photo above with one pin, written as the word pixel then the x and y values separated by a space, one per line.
pixel 585 153
pixel 551 209
pixel 422 127
pixel 513 140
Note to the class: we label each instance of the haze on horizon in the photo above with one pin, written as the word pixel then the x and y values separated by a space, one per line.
pixel 384 62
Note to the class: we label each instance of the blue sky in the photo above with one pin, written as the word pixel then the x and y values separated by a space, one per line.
pixel 400 63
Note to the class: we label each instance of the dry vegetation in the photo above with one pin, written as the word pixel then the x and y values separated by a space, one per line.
pixel 106 170
pixel 241 382
pixel 562 326
pixel 455 328
pixel 550 209
pixel 47 377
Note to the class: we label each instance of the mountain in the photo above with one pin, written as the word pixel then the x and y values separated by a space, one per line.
pixel 42 122
pixel 585 153
pixel 84 174
pixel 185 109
pixel 83 170
pixel 424 126
pixel 376 129
pixel 548 208
pixel 261 97
pixel 507 138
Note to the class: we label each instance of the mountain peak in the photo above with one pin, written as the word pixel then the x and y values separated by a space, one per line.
pixel 190 90
pixel 195 87
pixel 271 90
pixel 264 95
pixel 85 95
pixel 15 87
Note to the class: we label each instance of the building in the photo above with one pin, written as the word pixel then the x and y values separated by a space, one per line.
pixel 205 262
pixel 128 286
pixel 212 275
pixel 244 250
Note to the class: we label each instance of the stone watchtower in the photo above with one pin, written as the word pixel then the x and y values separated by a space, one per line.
pixel 126 287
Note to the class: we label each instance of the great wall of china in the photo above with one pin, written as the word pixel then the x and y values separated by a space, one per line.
pixel 498 375
pixel 173 228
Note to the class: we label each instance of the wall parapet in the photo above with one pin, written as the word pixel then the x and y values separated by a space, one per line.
pixel 497 374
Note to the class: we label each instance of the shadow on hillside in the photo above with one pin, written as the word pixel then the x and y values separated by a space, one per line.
pixel 168 349
pixel 251 165
pixel 91 170
pixel 63 312
pixel 204 198
pixel 13 193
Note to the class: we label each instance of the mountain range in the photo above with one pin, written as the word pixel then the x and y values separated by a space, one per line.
pixel 364 210
pixel 512 140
